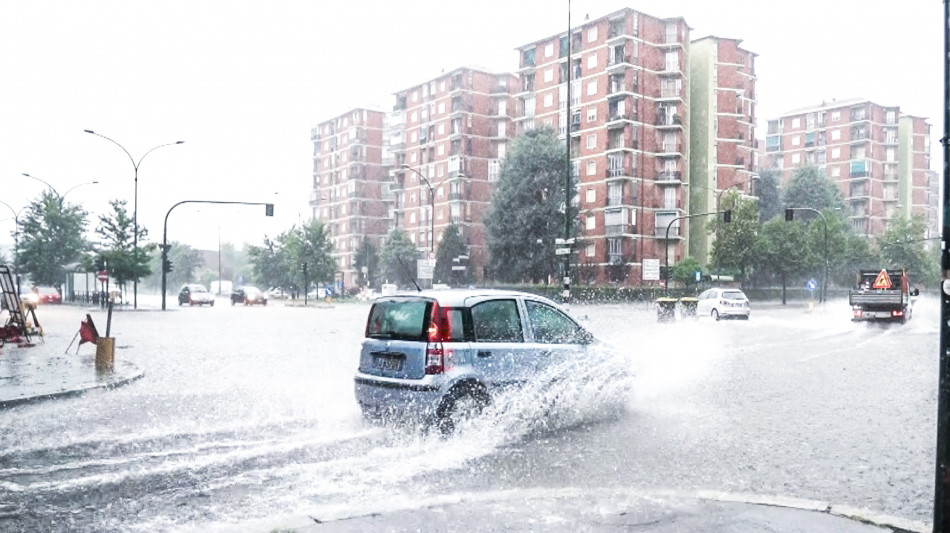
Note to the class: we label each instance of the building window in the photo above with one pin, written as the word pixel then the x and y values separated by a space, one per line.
pixel 590 251
pixel 796 122
pixel 442 129
pixel 549 75
pixel 836 153
pixel 835 135
pixel 592 34
pixel 591 222
pixel 835 172
pixel 796 140
pixel 592 61
pixel 835 116
pixel 549 100
pixel 494 168
pixel 549 50
pixel 591 168
pixel 441 107
pixel 796 159
pixel 591 114
pixel 592 141
pixel 502 150
pixel 441 149
pixel 592 88
pixel 591 195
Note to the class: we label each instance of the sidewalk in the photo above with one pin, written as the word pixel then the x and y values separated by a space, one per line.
pixel 45 372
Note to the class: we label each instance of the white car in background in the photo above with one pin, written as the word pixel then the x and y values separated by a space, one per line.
pixel 721 303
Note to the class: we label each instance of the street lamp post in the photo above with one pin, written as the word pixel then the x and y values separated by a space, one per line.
pixel 135 206
pixel 666 276
pixel 16 242
pixel 44 182
pixel 824 223
pixel 431 207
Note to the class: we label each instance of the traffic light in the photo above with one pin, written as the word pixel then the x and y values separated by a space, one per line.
pixel 789 214
pixel 166 265
pixel 269 210
pixel 727 216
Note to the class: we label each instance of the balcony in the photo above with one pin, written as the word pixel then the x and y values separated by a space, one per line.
pixel 615 230
pixel 315 134
pixel 620 171
pixel 674 177
pixel 618 63
pixel 671 148
pixel 669 121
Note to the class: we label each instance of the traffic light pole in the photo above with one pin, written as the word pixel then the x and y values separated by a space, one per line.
pixel 166 265
pixel 727 217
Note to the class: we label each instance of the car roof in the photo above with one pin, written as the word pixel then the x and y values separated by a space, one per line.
pixel 458 297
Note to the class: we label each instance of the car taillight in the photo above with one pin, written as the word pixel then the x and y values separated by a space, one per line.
pixel 897 313
pixel 438 360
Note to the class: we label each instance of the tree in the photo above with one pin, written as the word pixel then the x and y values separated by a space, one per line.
pixel 51 238
pixel 779 250
pixel 117 231
pixel 685 271
pixel 735 244
pixel 451 247
pixel 768 192
pixel 367 258
pixel 314 254
pixel 902 246
pixel 398 259
pixel 527 209
pixel 809 187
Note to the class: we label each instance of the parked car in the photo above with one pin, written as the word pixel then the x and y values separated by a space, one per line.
pixel 723 303
pixel 276 293
pixel 441 355
pixel 195 294
pixel 248 295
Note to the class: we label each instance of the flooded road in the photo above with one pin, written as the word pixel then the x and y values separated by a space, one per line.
pixel 247 415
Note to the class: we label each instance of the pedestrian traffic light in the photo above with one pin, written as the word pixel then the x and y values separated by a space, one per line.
pixel 789 214
pixel 727 216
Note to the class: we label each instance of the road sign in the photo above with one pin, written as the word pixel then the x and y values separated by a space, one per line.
pixel 562 251
pixel 102 275
pixel 424 268
pixel 811 285
pixel 458 268
pixel 883 281
pixel 651 269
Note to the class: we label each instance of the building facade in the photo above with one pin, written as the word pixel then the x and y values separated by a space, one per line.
pixel 448 139
pixel 628 121
pixel 722 121
pixel 350 186
pixel 878 157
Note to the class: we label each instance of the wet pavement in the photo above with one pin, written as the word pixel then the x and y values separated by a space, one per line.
pixel 220 429
pixel 51 368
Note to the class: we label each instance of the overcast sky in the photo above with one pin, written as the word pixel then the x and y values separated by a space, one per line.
pixel 243 82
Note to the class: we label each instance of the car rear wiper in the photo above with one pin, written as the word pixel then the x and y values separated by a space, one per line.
pixel 382 335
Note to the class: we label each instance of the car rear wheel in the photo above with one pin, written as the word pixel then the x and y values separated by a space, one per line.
pixel 715 314
pixel 461 403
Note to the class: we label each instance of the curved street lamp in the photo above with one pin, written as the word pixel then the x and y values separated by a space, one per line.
pixel 431 207
pixel 44 182
pixel 76 187
pixel 16 241
pixel 135 205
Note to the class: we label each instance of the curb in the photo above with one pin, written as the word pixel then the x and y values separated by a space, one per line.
pixel 111 384
pixel 307 523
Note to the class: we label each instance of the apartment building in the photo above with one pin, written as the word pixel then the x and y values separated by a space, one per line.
pixel 628 121
pixel 878 156
pixel 722 152
pixel 350 191
pixel 448 136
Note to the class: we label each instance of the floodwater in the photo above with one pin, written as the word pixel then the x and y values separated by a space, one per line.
pixel 246 415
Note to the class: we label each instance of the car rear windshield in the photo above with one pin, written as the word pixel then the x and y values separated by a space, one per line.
pixel 733 295
pixel 403 319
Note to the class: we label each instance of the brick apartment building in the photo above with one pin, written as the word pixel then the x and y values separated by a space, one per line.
pixel 350 185
pixel 629 129
pixel 879 157
pixel 448 136
pixel 722 149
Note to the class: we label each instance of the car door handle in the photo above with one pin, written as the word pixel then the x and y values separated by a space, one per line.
pixel 484 353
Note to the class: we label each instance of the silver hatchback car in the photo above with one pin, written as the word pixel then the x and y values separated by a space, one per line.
pixel 440 355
